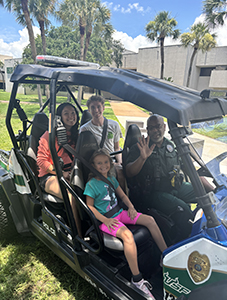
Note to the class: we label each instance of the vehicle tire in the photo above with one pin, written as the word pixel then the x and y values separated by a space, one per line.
pixel 7 227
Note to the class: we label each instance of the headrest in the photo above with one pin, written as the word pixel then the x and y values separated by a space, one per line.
pixel 86 146
pixel 133 135
pixel 86 116
pixel 39 125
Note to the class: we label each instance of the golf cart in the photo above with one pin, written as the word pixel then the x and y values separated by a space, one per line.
pixel 195 268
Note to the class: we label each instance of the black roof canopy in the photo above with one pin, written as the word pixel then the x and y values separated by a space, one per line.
pixel 180 105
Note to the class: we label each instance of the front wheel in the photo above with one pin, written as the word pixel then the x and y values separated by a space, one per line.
pixel 7 227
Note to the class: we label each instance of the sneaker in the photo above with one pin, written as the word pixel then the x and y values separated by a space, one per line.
pixel 144 286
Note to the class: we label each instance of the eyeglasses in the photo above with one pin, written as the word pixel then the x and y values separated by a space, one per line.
pixel 158 126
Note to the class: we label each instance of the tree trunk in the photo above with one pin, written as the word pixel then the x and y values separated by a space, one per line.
pixel 39 95
pixel 162 57
pixel 82 32
pixel 43 36
pixel 190 66
pixel 42 30
pixel 87 41
pixel 24 4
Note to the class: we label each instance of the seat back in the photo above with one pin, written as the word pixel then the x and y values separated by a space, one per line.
pixel 132 137
pixel 39 126
pixel 86 116
pixel 85 147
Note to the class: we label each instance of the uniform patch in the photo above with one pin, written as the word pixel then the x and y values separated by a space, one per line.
pixel 169 148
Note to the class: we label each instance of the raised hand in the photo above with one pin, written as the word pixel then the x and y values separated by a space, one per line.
pixel 145 150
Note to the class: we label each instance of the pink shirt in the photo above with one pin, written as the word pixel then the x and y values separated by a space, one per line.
pixel 44 158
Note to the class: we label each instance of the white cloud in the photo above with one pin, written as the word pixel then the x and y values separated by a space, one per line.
pixel 128 9
pixel 16 48
pixel 140 41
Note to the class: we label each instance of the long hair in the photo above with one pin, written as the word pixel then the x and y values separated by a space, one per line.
pixel 98 152
pixel 74 130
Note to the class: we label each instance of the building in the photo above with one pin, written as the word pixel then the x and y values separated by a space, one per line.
pixel 9 66
pixel 209 70
pixel 2 70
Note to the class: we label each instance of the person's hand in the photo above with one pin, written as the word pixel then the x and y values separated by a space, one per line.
pixel 132 213
pixel 111 223
pixel 145 150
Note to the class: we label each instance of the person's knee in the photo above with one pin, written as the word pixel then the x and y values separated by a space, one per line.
pixel 127 236
pixel 147 220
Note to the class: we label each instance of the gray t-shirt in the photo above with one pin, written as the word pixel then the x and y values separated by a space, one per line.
pixel 113 133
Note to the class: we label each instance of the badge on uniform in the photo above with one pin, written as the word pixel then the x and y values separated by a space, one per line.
pixel 169 148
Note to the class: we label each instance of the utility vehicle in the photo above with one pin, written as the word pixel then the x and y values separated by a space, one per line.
pixel 194 268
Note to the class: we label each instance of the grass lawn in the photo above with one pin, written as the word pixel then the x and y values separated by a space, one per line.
pixel 29 270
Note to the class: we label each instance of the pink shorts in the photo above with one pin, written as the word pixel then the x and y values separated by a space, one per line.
pixel 123 218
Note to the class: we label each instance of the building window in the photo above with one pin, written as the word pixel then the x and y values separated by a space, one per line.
pixel 206 71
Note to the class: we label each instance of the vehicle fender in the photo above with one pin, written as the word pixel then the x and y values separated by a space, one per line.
pixel 15 203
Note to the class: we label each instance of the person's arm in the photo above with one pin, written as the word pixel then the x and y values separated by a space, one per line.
pixel 44 159
pixel 133 168
pixel 131 210
pixel 118 156
pixel 109 222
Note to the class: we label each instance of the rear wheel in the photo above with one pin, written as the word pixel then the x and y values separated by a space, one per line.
pixel 7 227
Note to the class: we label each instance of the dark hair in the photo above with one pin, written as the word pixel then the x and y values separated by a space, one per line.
pixel 74 130
pixel 98 152
pixel 95 98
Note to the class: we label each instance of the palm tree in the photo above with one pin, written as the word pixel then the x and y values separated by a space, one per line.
pixel 162 26
pixel 85 14
pixel 200 39
pixel 216 11
pixel 41 9
pixel 20 9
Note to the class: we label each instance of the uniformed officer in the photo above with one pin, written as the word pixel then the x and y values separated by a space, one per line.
pixel 154 164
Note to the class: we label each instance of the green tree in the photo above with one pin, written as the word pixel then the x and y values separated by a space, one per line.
pixel 21 11
pixel 199 38
pixel 64 42
pixel 85 14
pixel 158 29
pixel 41 9
pixel 216 11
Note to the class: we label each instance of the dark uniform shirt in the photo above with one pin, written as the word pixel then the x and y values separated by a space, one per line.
pixel 155 173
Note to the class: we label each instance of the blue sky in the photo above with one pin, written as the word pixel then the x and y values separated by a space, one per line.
pixel 128 19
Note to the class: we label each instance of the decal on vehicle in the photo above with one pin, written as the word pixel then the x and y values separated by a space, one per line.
pixel 168 296
pixel 199 268
pixel 50 229
pixel 174 284
pixel 19 178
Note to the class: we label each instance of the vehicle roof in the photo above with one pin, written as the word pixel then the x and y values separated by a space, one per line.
pixel 180 105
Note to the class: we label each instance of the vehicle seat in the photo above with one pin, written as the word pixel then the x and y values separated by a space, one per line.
pixel 86 145
pixel 132 137
pixel 86 116
pixel 39 126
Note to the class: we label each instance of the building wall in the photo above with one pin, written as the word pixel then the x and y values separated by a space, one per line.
pixel 176 65
pixel 9 67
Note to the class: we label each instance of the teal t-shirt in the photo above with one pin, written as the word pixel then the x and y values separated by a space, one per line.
pixel 104 197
